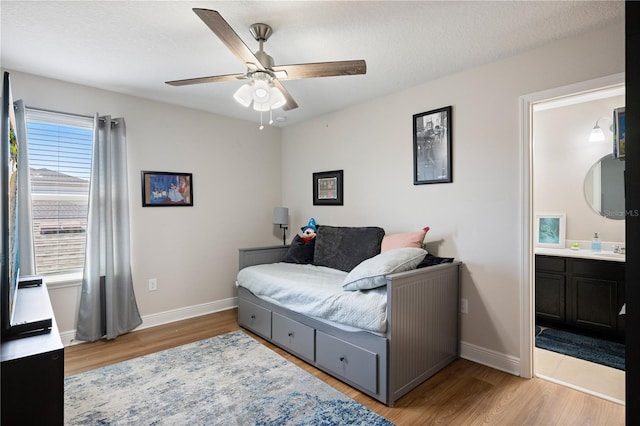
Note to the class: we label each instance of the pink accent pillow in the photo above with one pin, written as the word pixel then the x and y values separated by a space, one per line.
pixel 407 239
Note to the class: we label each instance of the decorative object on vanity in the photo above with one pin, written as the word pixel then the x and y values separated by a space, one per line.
pixel 281 218
pixel 432 147
pixel 264 88
pixel 163 189
pixel 604 187
pixel 328 188
pixel 194 383
pixel 619 133
pixel 596 244
pixel 550 230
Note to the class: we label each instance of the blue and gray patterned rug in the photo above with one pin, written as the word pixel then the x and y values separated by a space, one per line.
pixel 590 349
pixel 230 379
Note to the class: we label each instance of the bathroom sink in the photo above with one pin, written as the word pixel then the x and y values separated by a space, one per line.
pixel 610 255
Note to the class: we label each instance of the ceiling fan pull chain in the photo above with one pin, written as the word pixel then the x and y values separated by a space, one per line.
pixel 270 116
pixel 261 125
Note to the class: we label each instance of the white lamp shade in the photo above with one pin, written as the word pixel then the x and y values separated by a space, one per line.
pixel 243 95
pixel 259 106
pixel 277 98
pixel 597 135
pixel 261 92
pixel 280 216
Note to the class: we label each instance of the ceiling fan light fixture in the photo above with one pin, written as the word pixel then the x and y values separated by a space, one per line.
pixel 277 99
pixel 261 91
pixel 261 106
pixel 244 95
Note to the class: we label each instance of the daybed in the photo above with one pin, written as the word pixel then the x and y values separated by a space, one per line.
pixel 417 336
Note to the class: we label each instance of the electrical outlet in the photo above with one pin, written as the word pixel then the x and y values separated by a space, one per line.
pixel 153 284
pixel 464 306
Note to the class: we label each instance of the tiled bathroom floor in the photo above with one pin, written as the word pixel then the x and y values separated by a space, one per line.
pixel 595 379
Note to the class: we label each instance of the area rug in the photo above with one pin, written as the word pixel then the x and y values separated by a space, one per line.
pixel 230 379
pixel 587 348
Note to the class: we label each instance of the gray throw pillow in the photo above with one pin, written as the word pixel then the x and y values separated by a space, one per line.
pixel 344 248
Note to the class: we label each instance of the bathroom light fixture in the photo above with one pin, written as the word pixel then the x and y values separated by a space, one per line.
pixel 281 217
pixel 261 91
pixel 597 135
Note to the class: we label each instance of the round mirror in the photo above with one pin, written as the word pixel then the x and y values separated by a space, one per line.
pixel 604 187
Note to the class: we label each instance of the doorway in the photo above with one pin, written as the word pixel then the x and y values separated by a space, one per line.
pixel 581 101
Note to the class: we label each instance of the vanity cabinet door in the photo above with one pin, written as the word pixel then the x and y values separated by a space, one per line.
pixel 594 304
pixel 550 297
pixel 551 289
pixel 597 295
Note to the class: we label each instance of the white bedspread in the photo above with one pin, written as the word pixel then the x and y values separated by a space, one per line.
pixel 317 291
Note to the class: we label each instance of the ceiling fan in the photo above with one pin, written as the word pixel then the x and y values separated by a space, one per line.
pixel 264 89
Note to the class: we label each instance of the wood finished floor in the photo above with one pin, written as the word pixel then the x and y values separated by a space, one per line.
pixel 464 393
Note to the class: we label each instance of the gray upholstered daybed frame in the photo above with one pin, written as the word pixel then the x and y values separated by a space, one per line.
pixel 422 330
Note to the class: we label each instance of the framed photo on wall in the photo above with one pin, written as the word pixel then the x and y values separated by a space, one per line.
pixel 432 147
pixel 550 230
pixel 166 189
pixel 328 188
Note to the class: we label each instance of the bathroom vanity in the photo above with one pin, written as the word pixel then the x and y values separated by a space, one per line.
pixel 580 290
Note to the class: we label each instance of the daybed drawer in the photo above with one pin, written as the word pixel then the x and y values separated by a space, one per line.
pixel 255 318
pixel 349 361
pixel 295 337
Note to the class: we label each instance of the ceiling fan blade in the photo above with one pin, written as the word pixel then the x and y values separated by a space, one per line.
pixel 228 36
pixel 291 104
pixel 210 79
pixel 321 69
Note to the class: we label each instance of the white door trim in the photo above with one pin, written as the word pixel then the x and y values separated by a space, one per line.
pixel 527 300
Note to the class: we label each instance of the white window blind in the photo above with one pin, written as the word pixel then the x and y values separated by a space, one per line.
pixel 60 147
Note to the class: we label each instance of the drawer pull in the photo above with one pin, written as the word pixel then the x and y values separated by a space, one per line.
pixel 290 334
pixel 253 317
pixel 342 359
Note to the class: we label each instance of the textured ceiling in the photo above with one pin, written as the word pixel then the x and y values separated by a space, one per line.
pixel 133 47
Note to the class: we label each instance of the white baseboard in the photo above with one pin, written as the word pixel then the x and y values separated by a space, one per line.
pixel 152 320
pixel 499 361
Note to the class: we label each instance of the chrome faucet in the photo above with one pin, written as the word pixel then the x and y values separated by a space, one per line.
pixel 619 249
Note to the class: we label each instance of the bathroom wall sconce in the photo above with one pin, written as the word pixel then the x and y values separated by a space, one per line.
pixel 597 135
pixel 281 218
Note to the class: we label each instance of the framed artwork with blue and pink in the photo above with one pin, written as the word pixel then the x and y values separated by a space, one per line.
pixel 166 189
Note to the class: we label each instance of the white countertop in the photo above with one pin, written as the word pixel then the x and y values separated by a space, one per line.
pixel 581 253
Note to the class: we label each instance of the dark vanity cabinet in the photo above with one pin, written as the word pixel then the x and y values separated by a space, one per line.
pixel 580 294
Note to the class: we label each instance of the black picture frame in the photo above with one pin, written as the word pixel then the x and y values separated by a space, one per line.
pixel 167 189
pixel 328 188
pixel 432 140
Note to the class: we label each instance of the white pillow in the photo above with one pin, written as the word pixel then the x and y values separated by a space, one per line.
pixel 371 273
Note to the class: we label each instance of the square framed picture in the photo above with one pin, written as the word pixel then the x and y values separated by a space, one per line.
pixel 550 230
pixel 432 147
pixel 328 188
pixel 167 189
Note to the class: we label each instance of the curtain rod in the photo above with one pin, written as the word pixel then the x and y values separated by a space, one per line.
pixel 69 113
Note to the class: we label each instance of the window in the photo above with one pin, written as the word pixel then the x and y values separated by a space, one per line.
pixel 60 147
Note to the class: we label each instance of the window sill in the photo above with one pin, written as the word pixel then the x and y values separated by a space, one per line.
pixel 63 280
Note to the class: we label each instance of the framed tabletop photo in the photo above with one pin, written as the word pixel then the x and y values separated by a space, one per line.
pixel 550 230
pixel 167 189
pixel 328 188
pixel 432 147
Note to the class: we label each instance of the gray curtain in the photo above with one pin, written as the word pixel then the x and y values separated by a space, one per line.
pixel 107 304
pixel 27 259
